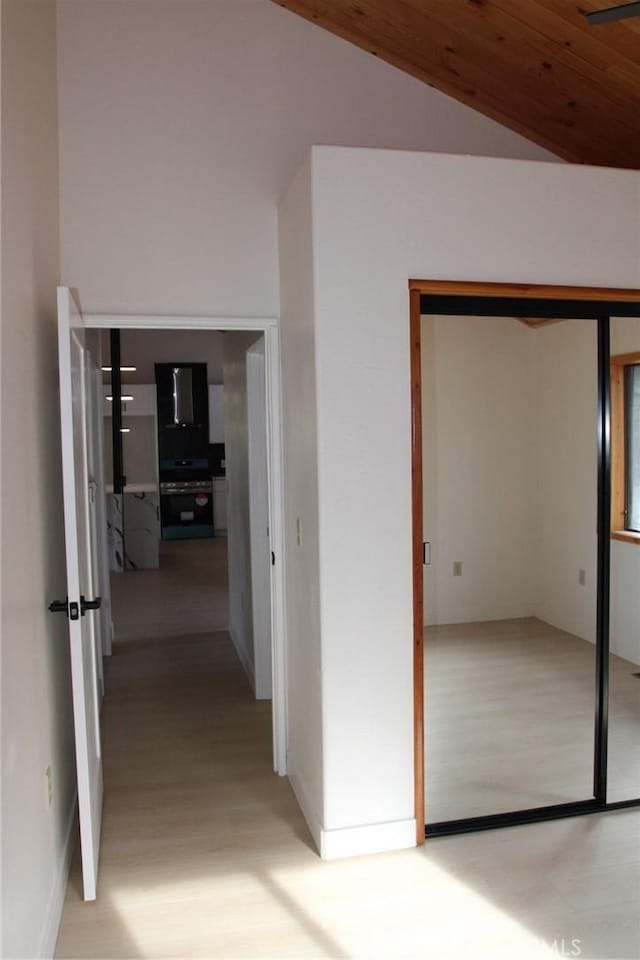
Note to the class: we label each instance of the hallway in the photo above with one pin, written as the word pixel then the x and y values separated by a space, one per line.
pixel 205 853
pixel 187 770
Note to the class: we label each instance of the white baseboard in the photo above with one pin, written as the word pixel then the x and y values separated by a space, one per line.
pixel 247 666
pixel 306 806
pixel 353 841
pixel 372 838
pixel 51 926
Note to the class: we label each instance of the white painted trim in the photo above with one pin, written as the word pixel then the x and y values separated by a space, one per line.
pixel 353 841
pixel 374 838
pixel 308 811
pixel 275 466
pixel 53 916
pixel 104 587
pixel 118 321
pixel 270 327
pixel 247 666
pixel 259 539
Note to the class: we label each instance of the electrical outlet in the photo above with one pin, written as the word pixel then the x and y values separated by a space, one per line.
pixel 582 577
pixel 48 775
pixel 299 531
pixel 457 568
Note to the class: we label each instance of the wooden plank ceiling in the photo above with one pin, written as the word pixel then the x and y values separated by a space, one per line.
pixel 535 66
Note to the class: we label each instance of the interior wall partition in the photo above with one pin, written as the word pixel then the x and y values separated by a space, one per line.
pixel 544 304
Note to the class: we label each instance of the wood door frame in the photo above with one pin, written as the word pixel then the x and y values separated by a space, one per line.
pixel 269 326
pixel 462 289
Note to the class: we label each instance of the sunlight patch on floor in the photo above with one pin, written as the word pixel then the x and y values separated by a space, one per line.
pixel 394 905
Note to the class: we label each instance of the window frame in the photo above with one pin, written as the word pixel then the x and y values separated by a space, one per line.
pixel 619 531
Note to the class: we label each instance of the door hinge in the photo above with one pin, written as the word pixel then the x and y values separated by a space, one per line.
pixel 426 552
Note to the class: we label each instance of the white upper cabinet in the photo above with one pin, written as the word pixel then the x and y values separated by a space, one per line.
pixel 143 403
pixel 216 413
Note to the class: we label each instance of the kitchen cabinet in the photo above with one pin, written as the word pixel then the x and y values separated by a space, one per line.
pixel 141 530
pixel 141 525
pixel 216 413
pixel 142 405
pixel 220 504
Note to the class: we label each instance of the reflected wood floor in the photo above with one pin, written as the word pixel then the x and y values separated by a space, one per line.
pixel 509 719
pixel 205 853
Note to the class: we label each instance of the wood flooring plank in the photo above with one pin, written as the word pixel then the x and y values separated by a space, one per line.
pixel 205 853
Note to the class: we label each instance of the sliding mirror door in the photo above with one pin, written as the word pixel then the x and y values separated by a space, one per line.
pixel 510 478
pixel 623 781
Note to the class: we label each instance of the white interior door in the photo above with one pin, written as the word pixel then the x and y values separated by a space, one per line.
pixel 259 520
pixel 77 522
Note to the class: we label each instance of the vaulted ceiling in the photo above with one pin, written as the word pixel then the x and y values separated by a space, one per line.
pixel 536 66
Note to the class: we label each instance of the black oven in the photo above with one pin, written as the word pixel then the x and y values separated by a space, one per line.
pixel 186 509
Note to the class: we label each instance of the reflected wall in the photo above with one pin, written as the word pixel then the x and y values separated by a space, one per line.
pixel 510 494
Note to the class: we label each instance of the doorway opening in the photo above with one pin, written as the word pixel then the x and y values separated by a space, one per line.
pixel 169 518
pixel 182 411
pixel 524 429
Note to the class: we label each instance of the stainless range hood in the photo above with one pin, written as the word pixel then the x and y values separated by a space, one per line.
pixel 183 414
pixel 182 397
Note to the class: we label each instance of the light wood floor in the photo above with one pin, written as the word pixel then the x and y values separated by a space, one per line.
pixel 509 719
pixel 186 595
pixel 206 855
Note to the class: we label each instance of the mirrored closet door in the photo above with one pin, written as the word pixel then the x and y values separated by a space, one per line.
pixel 510 469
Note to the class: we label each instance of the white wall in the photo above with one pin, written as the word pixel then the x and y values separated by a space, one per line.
pixel 182 124
pixel 36 699
pixel 380 217
pixel 140 450
pixel 238 519
pixel 625 600
pixel 565 493
pixel 300 444
pixel 509 443
pixel 478 423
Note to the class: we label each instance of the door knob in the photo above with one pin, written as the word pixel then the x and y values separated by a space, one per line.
pixel 59 606
pixel 89 604
pixel 63 606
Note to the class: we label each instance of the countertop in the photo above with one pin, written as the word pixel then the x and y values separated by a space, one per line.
pixel 135 488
